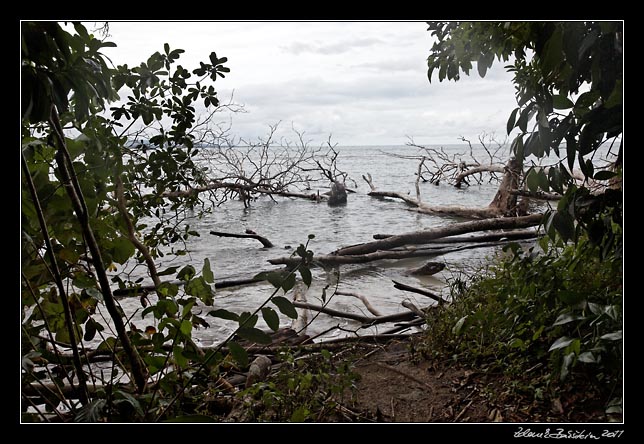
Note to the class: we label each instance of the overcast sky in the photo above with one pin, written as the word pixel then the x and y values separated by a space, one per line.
pixel 365 83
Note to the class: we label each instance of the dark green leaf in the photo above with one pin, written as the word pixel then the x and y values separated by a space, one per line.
pixel 247 320
pixel 563 223
pixel 561 102
pixel 254 335
pixel 90 330
pixel 186 327
pixel 238 353
pixel 288 282
pixel 285 306
pixel 168 271
pixel 206 272
pixel 181 360
pixel 119 394
pixel 122 250
pixel 512 120
pixel 305 272
pixel 604 175
pixel 200 288
pixel 224 314
pixel 186 273
pixel 168 289
pixel 532 181
pixel 570 298
pixel 271 318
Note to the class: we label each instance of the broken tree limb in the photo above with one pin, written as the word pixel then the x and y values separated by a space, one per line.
pixel 216 185
pixel 503 203
pixel 265 242
pixel 367 320
pixel 403 253
pixel 478 169
pixel 429 294
pixel 536 195
pixel 364 300
pixel 411 307
pixel 421 237
pixel 138 290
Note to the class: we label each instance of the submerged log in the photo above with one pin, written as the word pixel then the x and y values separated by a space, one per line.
pixel 421 237
pixel 367 320
pixel 428 269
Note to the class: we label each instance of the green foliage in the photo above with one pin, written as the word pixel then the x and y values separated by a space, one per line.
pixel 305 389
pixel 568 78
pixel 560 308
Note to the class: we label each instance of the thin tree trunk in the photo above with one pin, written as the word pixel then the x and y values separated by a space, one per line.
pixel 69 318
pixel 75 194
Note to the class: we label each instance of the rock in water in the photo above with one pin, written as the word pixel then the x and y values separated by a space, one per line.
pixel 428 269
pixel 338 195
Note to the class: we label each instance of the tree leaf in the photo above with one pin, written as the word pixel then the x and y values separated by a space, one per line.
pixel 199 288
pixel 238 353
pixel 181 360
pixel 288 282
pixel 121 395
pixel 206 272
pixel 305 272
pixel 224 314
pixel 254 335
pixel 512 120
pixel 604 175
pixel 615 336
pixel 187 273
pixel 122 250
pixel 285 306
pixel 568 317
pixel 563 223
pixel 559 101
pixel 247 320
pixel 186 327
pixel 459 325
pixel 562 342
pixel 271 318
pixel 587 357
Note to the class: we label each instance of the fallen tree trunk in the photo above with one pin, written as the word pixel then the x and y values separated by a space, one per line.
pixel 408 252
pixel 421 237
pixel 512 235
pixel 367 320
pixel 265 242
pixel 503 204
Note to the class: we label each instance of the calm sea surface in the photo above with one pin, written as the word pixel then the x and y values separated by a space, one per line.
pixel 288 222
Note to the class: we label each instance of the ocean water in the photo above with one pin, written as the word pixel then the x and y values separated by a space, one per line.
pixel 288 223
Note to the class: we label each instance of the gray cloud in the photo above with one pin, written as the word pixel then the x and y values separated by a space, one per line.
pixel 342 46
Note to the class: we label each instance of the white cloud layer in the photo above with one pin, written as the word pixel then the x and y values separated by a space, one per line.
pixel 363 82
